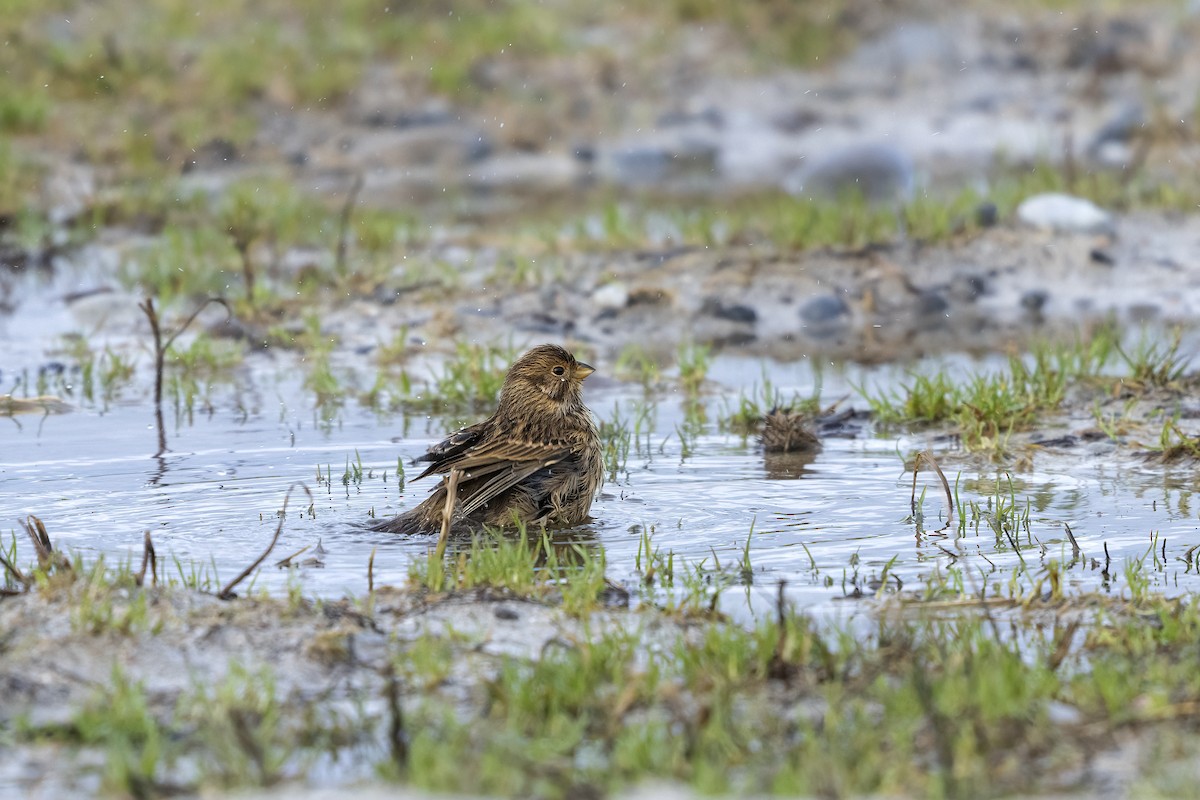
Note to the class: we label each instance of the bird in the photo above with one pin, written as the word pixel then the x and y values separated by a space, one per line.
pixel 537 460
pixel 784 431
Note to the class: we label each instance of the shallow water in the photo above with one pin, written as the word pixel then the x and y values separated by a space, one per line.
pixel 830 527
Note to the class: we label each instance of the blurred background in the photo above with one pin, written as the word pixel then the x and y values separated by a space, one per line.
pixel 543 158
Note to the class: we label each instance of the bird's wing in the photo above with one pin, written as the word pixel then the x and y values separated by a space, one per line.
pixel 444 453
pixel 492 468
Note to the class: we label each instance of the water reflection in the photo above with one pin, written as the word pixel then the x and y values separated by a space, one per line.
pixel 787 466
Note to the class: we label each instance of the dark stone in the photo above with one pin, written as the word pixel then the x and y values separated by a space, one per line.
pixel 1120 129
pixel 824 316
pixel 548 323
pixel 479 148
pixel 1099 256
pixel 968 288
pixel 797 120
pixel 504 612
pixel 1023 62
pixel 930 303
pixel 385 296
pixel 986 214
pixel 824 309
pixel 1034 300
pixel 734 313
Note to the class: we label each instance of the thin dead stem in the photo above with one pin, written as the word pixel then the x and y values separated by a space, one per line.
pixel 160 355
pixel 371 572
pixel 287 562
pixel 46 556
pixel 397 740
pixel 227 592
pixel 149 558
pixel 1075 549
pixel 929 459
pixel 344 232
pixel 17 575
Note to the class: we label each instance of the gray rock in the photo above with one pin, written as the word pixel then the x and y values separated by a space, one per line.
pixel 734 312
pixel 1122 127
pixel 967 288
pixel 1034 300
pixel 824 315
pixel 1064 213
pixel 880 172
pixel 986 214
pixel 931 304
pixel 1113 143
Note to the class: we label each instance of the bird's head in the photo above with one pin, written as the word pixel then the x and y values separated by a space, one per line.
pixel 546 377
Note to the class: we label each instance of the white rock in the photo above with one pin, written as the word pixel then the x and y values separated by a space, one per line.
pixel 1065 214
pixel 611 295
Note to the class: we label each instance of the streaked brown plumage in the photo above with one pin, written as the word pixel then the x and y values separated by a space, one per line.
pixel 784 431
pixel 535 461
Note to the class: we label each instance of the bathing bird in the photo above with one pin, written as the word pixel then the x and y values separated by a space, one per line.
pixel 536 461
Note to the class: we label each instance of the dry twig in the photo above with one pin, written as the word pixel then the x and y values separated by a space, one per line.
pixel 149 558
pixel 227 592
pixel 447 512
pixel 928 458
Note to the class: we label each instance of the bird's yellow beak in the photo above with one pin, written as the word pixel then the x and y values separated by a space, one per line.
pixel 582 370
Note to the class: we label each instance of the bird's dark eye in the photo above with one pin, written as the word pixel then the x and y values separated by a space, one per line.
pixel 559 370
